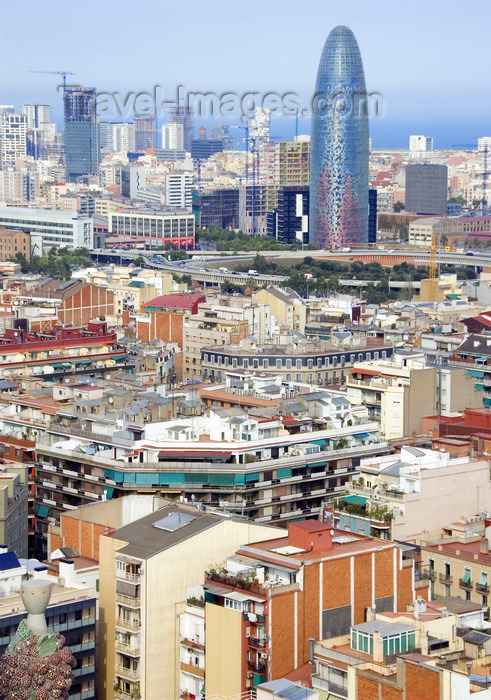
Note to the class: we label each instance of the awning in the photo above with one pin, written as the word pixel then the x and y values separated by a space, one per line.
pixel 40 510
pixel 322 443
pixel 119 357
pixel 476 373
pixel 82 362
pixel 361 436
pixel 242 596
pixel 108 490
pixel 361 500
pixel 61 365
pixel 467 576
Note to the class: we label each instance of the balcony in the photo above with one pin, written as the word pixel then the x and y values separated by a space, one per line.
pixel 129 673
pixel 129 576
pixel 192 670
pixel 256 642
pixel 482 588
pixel 127 600
pixel 466 584
pixel 256 667
pixel 446 579
pixel 127 649
pixel 127 624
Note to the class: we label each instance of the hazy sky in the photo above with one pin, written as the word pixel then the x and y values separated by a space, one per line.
pixel 430 60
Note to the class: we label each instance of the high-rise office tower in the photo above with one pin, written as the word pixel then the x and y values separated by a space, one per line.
pixel 339 145
pixel 144 128
pixel 426 189
pixel 180 114
pixel 81 133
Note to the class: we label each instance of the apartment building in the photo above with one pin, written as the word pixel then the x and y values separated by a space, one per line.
pixel 397 395
pixel 458 567
pixel 433 650
pixel 271 597
pixel 303 361
pixel 146 569
pixel 14 507
pixel 254 466
pixel 13 242
pixel 413 495
pixel 288 308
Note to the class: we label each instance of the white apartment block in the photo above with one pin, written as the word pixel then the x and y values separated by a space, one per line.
pixel 173 137
pixel 420 143
pixel 178 190
pixel 13 137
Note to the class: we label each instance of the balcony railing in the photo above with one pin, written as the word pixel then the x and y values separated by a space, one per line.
pixel 482 588
pixel 129 673
pixel 127 624
pixel 445 579
pixel 128 600
pixel 256 668
pixel 128 576
pixel 466 585
pixel 127 649
pixel 257 642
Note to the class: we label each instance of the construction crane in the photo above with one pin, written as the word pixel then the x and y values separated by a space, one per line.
pixel 433 267
pixel 64 73
pixel 484 206
pixel 246 129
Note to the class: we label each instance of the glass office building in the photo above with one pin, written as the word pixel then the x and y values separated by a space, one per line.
pixel 339 146
pixel 81 133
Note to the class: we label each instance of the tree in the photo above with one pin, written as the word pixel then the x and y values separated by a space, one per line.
pixel 139 261
pixel 398 206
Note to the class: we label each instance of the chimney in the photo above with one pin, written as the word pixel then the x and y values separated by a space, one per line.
pixel 40 572
pixel 484 545
pixel 66 573
pixel 3 549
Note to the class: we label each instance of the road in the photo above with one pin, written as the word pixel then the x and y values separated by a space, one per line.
pixel 195 266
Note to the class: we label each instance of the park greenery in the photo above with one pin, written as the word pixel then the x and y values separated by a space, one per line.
pixel 325 277
pixel 222 240
pixel 59 262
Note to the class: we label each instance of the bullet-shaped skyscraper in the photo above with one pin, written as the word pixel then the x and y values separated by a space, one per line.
pixel 339 146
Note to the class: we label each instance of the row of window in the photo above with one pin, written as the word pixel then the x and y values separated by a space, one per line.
pixel 289 363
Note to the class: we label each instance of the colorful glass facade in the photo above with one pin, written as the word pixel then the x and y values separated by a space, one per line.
pixel 339 146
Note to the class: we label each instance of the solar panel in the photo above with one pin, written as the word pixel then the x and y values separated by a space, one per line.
pixel 174 521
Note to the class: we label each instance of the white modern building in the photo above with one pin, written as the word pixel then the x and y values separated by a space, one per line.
pixel 178 189
pixel 13 137
pixel 420 143
pixel 49 228
pixel 173 137
pixel 154 228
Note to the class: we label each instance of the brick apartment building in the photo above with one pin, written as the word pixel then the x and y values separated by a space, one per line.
pixel 12 242
pixel 272 597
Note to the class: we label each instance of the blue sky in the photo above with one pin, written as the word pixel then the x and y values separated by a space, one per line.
pixel 429 60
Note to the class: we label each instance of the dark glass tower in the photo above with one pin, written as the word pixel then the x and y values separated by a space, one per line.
pixel 339 146
pixel 81 133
